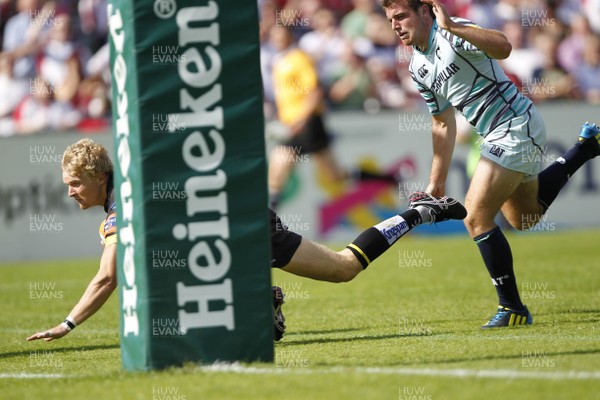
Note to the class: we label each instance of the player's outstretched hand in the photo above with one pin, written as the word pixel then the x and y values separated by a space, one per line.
pixel 55 333
pixel 441 15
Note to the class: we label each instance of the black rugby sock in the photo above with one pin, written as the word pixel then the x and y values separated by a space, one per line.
pixel 378 239
pixel 498 260
pixel 553 179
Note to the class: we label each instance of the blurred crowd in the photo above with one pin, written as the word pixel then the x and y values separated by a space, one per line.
pixel 54 59
pixel 54 62
pixel 362 65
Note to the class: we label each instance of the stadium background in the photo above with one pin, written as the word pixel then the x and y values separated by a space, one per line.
pixel 59 70
pixel 40 222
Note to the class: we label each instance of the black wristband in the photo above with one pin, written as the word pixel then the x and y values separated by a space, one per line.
pixel 69 324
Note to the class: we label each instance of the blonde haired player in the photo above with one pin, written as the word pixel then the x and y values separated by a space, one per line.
pixel 87 171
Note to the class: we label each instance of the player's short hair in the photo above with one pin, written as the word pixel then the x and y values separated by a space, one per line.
pixel 414 4
pixel 86 157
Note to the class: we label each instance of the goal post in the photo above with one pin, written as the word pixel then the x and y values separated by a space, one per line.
pixel 190 181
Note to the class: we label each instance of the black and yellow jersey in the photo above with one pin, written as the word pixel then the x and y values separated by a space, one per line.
pixel 108 226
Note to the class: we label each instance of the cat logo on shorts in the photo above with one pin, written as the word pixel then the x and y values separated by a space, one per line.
pixel 497 151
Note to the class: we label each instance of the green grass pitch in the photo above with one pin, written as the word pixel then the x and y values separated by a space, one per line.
pixel 406 328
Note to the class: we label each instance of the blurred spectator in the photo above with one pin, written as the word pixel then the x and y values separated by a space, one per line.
pixel 508 10
pixel 551 81
pixel 297 15
pixel 12 91
pixel 20 41
pixel 482 13
pixel 324 43
pixel 567 9
pixel 591 8
pixel 570 50
pixel 39 113
pixel 59 63
pixel 382 40
pixel 300 108
pixel 267 53
pixel 94 90
pixel 387 87
pixel 7 10
pixel 523 60
pixel 355 22
pixel 94 22
pixel 547 18
pixel 588 72
pixel 352 84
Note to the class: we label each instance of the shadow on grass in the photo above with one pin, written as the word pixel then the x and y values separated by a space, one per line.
pixel 323 340
pixel 323 331
pixel 59 350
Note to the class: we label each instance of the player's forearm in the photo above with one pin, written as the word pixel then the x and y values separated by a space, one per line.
pixel 490 41
pixel 96 294
pixel 443 140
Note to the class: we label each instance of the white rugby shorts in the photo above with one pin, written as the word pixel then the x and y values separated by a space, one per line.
pixel 517 144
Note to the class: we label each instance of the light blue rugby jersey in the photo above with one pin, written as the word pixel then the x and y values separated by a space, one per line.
pixel 453 71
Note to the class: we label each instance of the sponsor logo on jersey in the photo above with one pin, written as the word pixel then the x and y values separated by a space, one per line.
pixel 443 76
pixel 109 224
pixel 422 72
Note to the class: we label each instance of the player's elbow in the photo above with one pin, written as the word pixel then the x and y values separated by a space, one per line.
pixel 109 283
pixel 503 50
pixel 112 284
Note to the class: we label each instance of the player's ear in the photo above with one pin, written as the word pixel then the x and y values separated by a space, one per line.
pixel 102 179
pixel 426 9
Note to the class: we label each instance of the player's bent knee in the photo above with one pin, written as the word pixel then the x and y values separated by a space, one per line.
pixel 477 225
pixel 471 224
pixel 345 274
pixel 347 270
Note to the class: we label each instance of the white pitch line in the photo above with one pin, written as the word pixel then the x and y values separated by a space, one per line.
pixel 456 373
pixel 24 375
pixel 453 373
pixel 488 373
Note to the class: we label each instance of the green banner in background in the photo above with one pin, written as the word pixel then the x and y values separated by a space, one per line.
pixel 190 178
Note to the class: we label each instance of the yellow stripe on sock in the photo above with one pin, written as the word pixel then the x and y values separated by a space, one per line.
pixel 355 247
